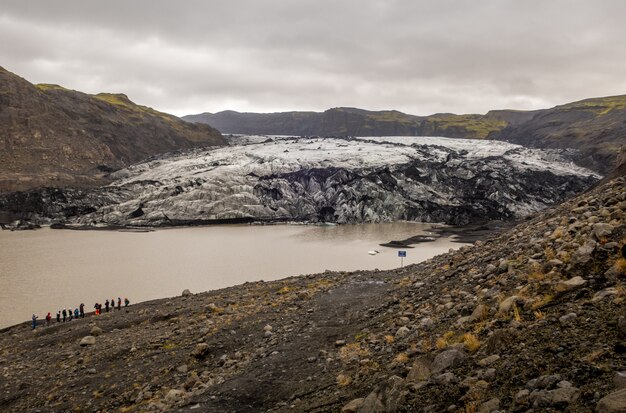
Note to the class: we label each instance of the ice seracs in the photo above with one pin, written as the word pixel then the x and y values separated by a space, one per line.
pixel 337 181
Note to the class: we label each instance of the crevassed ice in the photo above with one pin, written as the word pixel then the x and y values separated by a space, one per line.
pixel 284 155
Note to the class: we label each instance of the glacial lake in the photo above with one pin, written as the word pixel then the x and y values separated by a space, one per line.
pixel 46 270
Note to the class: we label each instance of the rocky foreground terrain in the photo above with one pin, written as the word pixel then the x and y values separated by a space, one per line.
pixel 531 320
pixel 341 180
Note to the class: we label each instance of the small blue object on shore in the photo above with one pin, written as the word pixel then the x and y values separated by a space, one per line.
pixel 402 255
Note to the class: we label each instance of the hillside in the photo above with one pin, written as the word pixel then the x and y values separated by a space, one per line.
pixel 528 320
pixel 359 122
pixel 52 136
pixel 597 127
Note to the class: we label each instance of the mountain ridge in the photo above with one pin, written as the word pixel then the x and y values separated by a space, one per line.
pixel 53 136
pixel 352 121
pixel 594 126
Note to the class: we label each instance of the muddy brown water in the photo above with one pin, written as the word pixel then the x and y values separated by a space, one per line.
pixel 46 270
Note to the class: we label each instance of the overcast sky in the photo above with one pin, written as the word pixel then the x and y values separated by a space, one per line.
pixel 420 57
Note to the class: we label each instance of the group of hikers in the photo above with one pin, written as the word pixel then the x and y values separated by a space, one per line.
pixel 79 312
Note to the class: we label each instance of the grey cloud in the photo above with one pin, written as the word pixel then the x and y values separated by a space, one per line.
pixel 420 57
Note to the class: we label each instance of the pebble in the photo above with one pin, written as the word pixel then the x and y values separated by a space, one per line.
pixel 402 332
pixel 567 318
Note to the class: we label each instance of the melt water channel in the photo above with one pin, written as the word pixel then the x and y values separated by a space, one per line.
pixel 47 270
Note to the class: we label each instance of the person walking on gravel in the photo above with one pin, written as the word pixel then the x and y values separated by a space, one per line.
pixel 119 303
pixel 48 318
pixel 106 305
pixel 34 321
pixel 64 314
pixel 58 316
pixel 82 310
pixel 126 302
pixel 76 313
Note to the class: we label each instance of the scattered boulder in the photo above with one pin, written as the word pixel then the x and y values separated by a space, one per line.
pixel 87 341
pixel 571 284
pixel 353 406
pixel 402 332
pixel 563 396
pixel 175 396
pixel 420 370
pixel 584 253
pixel 601 230
pixel 95 331
pixel 567 318
pixel 601 295
pixel 613 403
pixel 186 293
pixel 447 359
pixel 619 380
pixel 489 406
pixel 489 360
pixel 445 378
pixel 387 398
pixel 200 351
pixel 506 305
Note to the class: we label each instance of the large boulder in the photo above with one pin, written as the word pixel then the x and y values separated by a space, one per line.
pixel 613 403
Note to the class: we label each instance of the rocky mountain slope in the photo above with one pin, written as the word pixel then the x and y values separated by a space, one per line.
pixel 597 127
pixel 53 136
pixel 359 122
pixel 321 179
pixel 531 320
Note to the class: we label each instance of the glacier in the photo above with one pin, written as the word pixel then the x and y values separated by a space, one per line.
pixel 340 180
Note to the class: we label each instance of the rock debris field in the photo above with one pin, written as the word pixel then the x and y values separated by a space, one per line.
pixel 530 320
